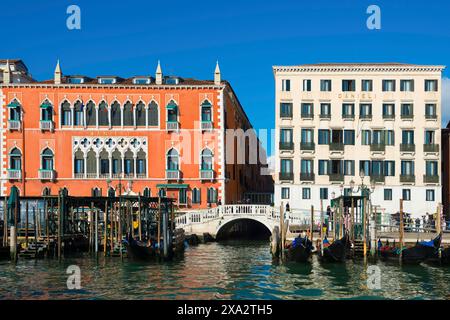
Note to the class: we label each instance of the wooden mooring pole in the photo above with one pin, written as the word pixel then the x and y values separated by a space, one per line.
pixel 26 223
pixel 365 212
pixel 401 230
pixel 312 224
pixel 281 230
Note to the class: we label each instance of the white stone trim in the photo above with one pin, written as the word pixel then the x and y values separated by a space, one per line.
pixel 2 143
pixel 221 150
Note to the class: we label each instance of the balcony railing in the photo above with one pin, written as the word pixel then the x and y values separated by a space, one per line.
pixel 325 116
pixel 408 178
pixel 348 116
pixel 207 125
pixel 141 175
pixel 14 124
pixel 286 176
pixel 79 175
pixel 206 174
pixel 365 116
pixel 307 115
pixel 407 116
pixel 377 147
pixel 172 125
pixel 46 125
pixel 46 174
pixel 173 174
pixel 308 146
pixel 407 147
pixel 431 116
pixel 286 115
pixel 287 146
pixel 430 178
pixel 378 178
pixel 306 176
pixel 430 148
pixel 336 177
pixel 14 174
pixel 336 146
pixel 388 116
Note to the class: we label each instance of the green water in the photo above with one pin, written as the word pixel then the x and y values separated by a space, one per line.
pixel 235 270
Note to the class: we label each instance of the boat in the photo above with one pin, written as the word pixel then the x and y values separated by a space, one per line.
pixel 139 250
pixel 422 251
pixel 335 252
pixel 300 250
pixel 5 253
pixel 445 256
pixel 388 252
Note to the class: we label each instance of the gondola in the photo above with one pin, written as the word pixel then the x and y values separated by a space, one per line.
pixel 445 256
pixel 422 251
pixel 300 250
pixel 335 252
pixel 388 252
pixel 138 250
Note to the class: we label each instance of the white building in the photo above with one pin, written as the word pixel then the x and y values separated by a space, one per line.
pixel 334 120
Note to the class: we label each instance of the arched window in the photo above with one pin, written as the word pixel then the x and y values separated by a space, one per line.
pixel 104 164
pixel 91 114
pixel 140 164
pixel 103 118
pixel 111 192
pixel 196 196
pixel 147 192
pixel 96 192
pixel 116 117
pixel 128 114
pixel 172 112
pixel 207 159
pixel 46 191
pixel 140 115
pixel 66 113
pixel 212 195
pixel 153 116
pixel 14 110
pixel 129 164
pixel 47 159
pixel 172 159
pixel 91 164
pixel 78 119
pixel 79 164
pixel 116 163
pixel 162 193
pixel 15 159
pixel 206 111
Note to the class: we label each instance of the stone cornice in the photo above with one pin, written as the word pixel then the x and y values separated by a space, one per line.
pixel 358 68
pixel 111 87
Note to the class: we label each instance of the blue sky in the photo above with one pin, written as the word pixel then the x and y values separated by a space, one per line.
pixel 248 37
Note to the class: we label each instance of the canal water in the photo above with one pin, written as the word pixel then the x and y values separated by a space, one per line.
pixel 232 270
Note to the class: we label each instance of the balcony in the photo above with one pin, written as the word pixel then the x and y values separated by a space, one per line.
pixel 173 174
pixel 46 174
pixel 336 146
pixel 14 174
pixel 286 176
pixel 348 116
pixel 289 146
pixel 407 147
pixel 325 116
pixel 207 125
pixel 431 116
pixel 206 174
pixel 336 177
pixel 365 116
pixel 307 176
pixel 433 148
pixel 14 124
pixel 307 115
pixel 286 115
pixel 141 175
pixel 407 116
pixel 46 125
pixel 172 126
pixel 377 147
pixel 388 116
pixel 79 175
pixel 407 178
pixel 378 178
pixel 307 146
pixel 430 178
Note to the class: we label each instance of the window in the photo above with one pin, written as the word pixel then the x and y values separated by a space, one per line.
pixel 66 114
pixel 387 194
pixel 377 137
pixel 376 168
pixel 307 136
pixel 182 197
pixel 285 85
pixel 284 193
pixel 366 85
pixel 429 137
pixel 430 111
pixel 172 159
pixel 406 85
pixel 206 112
pixel 15 159
pixel 389 168
pixel 206 160
pixel 430 195
pixel 153 115
pixel 196 196
pixel 172 80
pixel 14 110
pixel 103 117
pixel 172 112
pixel 348 110
pixel 348 85
pixel 106 80
pixel 349 167
pixel 388 85
pixel 104 165
pixel 431 85
pixel 128 117
pixel 140 114
pixel 406 110
pixel 349 137
pixel 389 137
pixel 365 110
pixel 116 114
pixel 162 193
pixel 47 159
pixel 78 117
pixel 96 192
pixel 286 138
pixel 408 136
pixel 78 80
pixel 323 193
pixel 212 195
pixel 286 166
pixel 431 168
pixel 323 167
pixel 406 194
pixel 147 192
pixel 388 110
pixel 306 193
pixel 306 166
pixel 306 85
pixel 325 85
pixel 141 81
pixel 79 162
pixel 307 110
pixel 407 168
pixel 324 136
pixel 140 163
pixel 286 110
pixel 365 166
pixel 325 110
pixel 366 137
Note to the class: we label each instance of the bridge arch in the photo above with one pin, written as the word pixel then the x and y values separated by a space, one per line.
pixel 244 228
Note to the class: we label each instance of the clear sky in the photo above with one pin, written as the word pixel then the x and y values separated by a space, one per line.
pixel 248 37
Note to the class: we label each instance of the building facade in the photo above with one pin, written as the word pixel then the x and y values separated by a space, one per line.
pixel 338 125
pixel 445 160
pixel 149 135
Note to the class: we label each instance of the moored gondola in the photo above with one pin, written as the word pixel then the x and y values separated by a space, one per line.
pixel 300 250
pixel 335 252
pixel 138 250
pixel 445 256
pixel 422 251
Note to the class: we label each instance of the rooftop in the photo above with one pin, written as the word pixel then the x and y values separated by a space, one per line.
pixel 363 66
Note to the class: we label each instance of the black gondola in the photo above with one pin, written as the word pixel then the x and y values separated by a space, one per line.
pixel 337 251
pixel 445 256
pixel 300 250
pixel 138 250
pixel 422 251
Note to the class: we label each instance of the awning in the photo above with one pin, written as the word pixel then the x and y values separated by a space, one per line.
pixel 172 186
pixel 45 105
pixel 171 106
pixel 13 105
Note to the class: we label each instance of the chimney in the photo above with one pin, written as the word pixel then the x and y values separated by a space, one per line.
pixel 217 77
pixel 7 74
pixel 58 73
pixel 159 74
